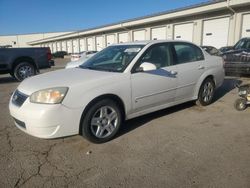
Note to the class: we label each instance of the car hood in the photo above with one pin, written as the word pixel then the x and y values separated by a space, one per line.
pixel 63 78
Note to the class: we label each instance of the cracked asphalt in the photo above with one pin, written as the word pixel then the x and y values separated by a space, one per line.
pixel 183 146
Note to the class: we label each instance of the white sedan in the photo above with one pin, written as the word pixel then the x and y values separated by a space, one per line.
pixel 77 63
pixel 121 82
pixel 77 56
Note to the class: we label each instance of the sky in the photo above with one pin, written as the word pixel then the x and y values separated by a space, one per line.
pixel 36 16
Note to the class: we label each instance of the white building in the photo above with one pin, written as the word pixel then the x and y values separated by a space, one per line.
pixel 22 40
pixel 217 23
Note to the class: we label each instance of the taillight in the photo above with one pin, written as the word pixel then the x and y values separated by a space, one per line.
pixel 49 55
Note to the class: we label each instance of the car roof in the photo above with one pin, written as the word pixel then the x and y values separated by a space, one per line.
pixel 145 42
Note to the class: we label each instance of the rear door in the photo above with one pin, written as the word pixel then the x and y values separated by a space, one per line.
pixel 189 60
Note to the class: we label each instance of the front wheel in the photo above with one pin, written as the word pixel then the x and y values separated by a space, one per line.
pixel 206 92
pixel 240 104
pixel 102 121
pixel 23 70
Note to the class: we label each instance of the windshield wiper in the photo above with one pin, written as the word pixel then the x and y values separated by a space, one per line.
pixel 98 68
pixel 87 67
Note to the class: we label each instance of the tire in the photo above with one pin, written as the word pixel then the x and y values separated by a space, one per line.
pixel 12 74
pixel 240 104
pixel 206 92
pixel 23 70
pixel 98 125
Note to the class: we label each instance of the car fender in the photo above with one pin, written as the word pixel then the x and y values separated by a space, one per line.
pixel 119 88
pixel 206 74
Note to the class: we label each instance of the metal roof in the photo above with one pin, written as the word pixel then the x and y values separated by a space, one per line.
pixel 142 17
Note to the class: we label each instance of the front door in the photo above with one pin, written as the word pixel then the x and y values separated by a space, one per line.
pixel 156 87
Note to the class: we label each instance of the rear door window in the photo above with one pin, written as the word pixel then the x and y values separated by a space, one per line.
pixel 186 52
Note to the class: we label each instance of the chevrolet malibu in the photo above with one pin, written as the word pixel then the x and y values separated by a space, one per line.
pixel 121 82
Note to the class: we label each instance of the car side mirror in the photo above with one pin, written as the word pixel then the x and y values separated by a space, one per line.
pixel 146 66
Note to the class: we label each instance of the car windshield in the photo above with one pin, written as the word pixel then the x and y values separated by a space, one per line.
pixel 113 58
pixel 242 44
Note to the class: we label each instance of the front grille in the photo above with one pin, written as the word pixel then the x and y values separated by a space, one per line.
pixel 19 98
pixel 20 123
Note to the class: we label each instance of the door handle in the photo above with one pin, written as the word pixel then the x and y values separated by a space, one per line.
pixel 201 67
pixel 173 72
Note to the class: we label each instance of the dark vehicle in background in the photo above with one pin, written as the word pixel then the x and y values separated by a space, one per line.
pixel 59 54
pixel 212 50
pixel 242 44
pixel 237 59
pixel 24 62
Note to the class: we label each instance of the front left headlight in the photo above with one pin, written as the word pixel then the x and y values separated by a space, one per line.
pixel 49 96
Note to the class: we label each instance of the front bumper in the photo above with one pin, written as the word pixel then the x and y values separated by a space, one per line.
pixel 237 67
pixel 46 121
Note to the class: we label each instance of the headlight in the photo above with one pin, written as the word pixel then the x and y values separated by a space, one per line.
pixel 49 96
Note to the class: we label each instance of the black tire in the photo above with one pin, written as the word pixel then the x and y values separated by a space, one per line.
pixel 240 104
pixel 12 74
pixel 23 70
pixel 88 129
pixel 205 97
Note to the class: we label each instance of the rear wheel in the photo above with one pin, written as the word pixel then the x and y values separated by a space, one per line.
pixel 240 104
pixel 23 70
pixel 102 121
pixel 206 93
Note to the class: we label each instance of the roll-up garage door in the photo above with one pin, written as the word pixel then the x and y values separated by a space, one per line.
pixel 246 26
pixel 82 45
pixel 69 46
pixel 54 47
pixel 184 32
pixel 139 35
pixel 58 45
pixel 110 39
pixel 159 33
pixel 99 43
pixel 75 46
pixel 215 32
pixel 123 37
pixel 64 46
pixel 90 44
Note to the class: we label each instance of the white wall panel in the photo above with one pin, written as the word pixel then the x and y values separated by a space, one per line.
pixel 64 46
pixel 82 45
pixel 69 46
pixel 215 32
pixel 90 44
pixel 110 39
pixel 139 35
pixel 54 47
pixel 75 46
pixel 184 32
pixel 159 33
pixel 123 37
pixel 245 26
pixel 58 46
pixel 99 43
pixel 50 47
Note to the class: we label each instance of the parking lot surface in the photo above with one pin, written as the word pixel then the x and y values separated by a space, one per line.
pixel 183 146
